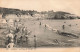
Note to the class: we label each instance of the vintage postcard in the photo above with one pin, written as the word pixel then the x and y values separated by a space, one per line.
pixel 40 25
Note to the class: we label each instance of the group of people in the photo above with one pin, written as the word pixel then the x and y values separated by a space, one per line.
pixel 12 39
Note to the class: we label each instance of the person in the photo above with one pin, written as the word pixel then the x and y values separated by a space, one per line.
pixel 70 25
pixel 64 22
pixel 45 25
pixel 76 24
pixel 26 36
pixel 11 44
pixel 15 39
pixel 63 27
pixel 40 23
pixel 21 39
pixel 23 30
pixel 9 39
pixel 17 29
pixel 35 41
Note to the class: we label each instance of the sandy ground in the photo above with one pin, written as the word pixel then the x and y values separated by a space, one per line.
pixel 46 37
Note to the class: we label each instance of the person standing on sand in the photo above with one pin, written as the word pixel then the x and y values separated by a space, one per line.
pixel 63 27
pixel 17 29
pixel 15 39
pixel 27 36
pixel 9 40
pixel 23 30
pixel 40 23
pixel 21 37
pixel 11 44
pixel 45 25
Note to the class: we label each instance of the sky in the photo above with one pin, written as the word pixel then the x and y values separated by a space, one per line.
pixel 71 6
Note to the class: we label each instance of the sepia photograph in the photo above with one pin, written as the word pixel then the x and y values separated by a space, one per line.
pixel 39 23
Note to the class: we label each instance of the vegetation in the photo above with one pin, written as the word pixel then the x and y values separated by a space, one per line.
pixel 48 15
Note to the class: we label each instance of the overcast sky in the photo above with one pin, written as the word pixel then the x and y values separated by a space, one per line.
pixel 72 6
